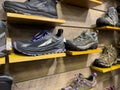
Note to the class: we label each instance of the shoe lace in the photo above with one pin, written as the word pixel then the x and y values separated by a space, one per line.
pixel 86 36
pixel 39 36
pixel 81 37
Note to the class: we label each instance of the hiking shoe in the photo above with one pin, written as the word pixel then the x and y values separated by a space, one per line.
pixel 110 18
pixel 33 7
pixel 107 58
pixel 80 81
pixel 48 44
pixel 83 42
pixel 5 82
pixel 2 38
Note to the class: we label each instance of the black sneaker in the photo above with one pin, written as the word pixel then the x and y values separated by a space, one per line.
pixel 110 18
pixel 5 82
pixel 48 44
pixel 34 7
pixel 2 38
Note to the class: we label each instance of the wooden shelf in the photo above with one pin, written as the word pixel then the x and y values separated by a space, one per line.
pixel 117 46
pixel 107 28
pixel 14 58
pixel 104 70
pixel 30 19
pixel 84 3
pixel 84 52
pixel 2 60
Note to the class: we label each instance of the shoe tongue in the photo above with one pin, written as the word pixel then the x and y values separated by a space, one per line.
pixel 84 33
pixel 60 32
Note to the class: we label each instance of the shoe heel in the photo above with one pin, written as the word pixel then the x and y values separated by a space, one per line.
pixel 94 46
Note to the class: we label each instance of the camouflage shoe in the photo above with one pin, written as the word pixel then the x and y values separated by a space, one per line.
pixel 107 58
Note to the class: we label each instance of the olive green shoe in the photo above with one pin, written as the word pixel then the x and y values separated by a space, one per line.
pixel 107 58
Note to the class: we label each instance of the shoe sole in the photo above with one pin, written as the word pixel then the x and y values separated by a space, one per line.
pixel 73 47
pixel 88 46
pixel 28 12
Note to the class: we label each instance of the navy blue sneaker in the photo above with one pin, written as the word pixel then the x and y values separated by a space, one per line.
pixel 47 44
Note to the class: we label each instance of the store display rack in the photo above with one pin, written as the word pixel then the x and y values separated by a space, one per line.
pixel 98 50
pixel 107 28
pixel 15 58
pixel 29 19
pixel 2 60
pixel 105 70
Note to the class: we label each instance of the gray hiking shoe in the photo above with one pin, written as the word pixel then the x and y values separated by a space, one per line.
pixel 107 58
pixel 2 38
pixel 83 42
pixel 45 44
pixel 110 18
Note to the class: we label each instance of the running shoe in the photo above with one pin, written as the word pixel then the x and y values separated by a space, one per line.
pixel 32 7
pixel 46 45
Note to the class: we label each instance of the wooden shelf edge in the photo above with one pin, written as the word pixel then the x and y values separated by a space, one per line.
pixel 117 46
pixel 2 60
pixel 14 58
pixel 84 52
pixel 32 17
pixel 105 70
pixel 107 28
pixel 97 1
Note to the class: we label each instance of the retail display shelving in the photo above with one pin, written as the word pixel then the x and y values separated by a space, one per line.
pixel 83 3
pixel 107 28
pixel 15 58
pixel 84 52
pixel 2 60
pixel 105 70
pixel 29 19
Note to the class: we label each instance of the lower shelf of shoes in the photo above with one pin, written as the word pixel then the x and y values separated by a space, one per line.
pixel 15 58
pixel 107 28
pixel 105 70
pixel 84 52
pixel 2 60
